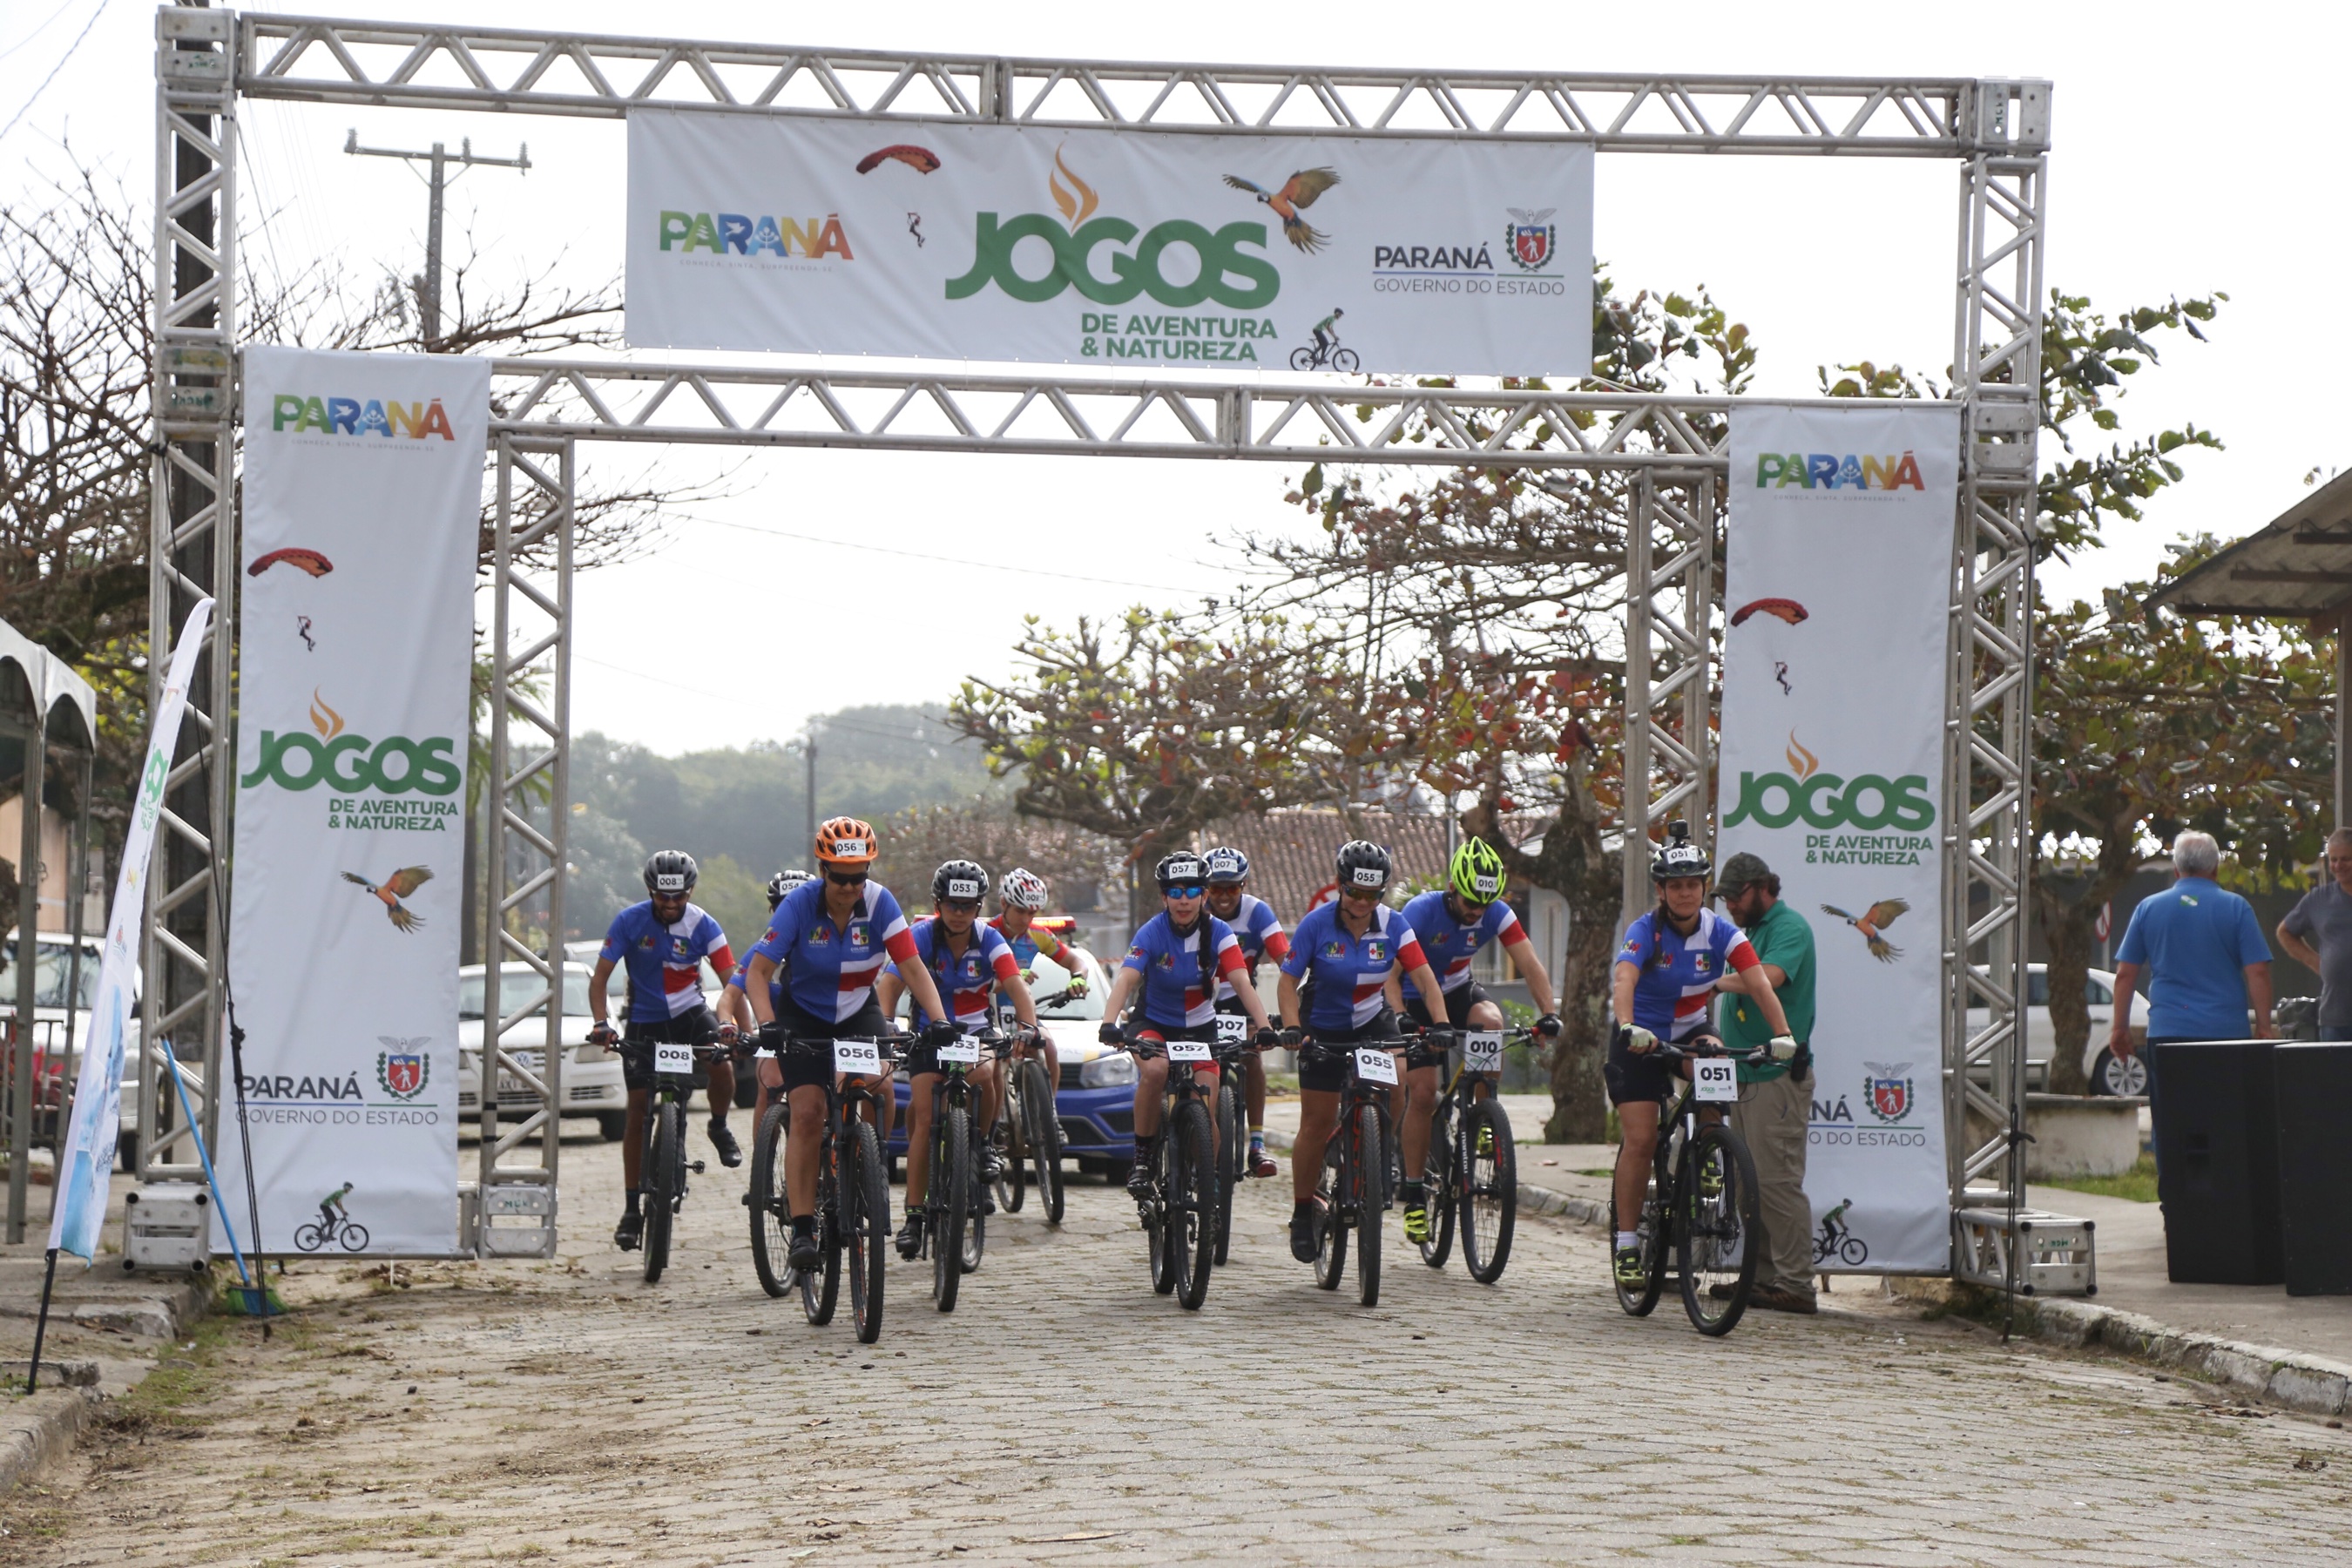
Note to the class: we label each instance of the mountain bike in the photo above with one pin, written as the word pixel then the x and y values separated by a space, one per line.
pixel 1353 1189
pixel 1472 1172
pixel 1333 357
pixel 1233 1052
pixel 665 1165
pixel 1702 1199
pixel 954 1230
pixel 1180 1211
pixel 1834 1243
pixel 1028 1131
pixel 853 1185
pixel 343 1229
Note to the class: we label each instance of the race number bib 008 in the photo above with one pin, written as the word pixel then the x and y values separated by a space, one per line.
pixel 1378 1065
pixel 965 1052
pixel 1188 1050
pixel 673 1058
pixel 856 1055
pixel 1715 1078
pixel 1232 1030
pixel 1481 1050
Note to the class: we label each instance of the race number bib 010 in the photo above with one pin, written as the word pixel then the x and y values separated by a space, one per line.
pixel 965 1052
pixel 1481 1050
pixel 1715 1078
pixel 856 1055
pixel 1188 1050
pixel 1232 1030
pixel 1377 1066
pixel 673 1058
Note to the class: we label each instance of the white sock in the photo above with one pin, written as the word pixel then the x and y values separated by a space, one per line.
pixel 1625 1238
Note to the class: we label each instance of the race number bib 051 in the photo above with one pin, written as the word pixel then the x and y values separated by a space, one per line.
pixel 1481 1050
pixel 674 1058
pixel 965 1051
pixel 856 1055
pixel 1232 1030
pixel 1715 1078
pixel 1377 1066
pixel 1188 1050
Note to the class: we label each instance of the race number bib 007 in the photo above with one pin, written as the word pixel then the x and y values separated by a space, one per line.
pixel 1714 1078
pixel 1377 1066
pixel 1232 1030
pixel 857 1055
pixel 965 1051
pixel 1188 1050
pixel 674 1058
pixel 1481 1050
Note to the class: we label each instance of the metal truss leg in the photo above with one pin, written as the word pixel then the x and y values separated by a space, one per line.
pixel 530 784
pixel 1671 587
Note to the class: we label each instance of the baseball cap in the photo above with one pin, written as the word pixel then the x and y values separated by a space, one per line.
pixel 1740 872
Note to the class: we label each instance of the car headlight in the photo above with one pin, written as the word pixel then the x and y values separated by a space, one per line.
pixel 1108 1071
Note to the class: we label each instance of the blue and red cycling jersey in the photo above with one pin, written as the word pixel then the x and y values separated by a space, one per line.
pixel 966 980
pixel 834 964
pixel 1450 944
pixel 1173 996
pixel 1349 971
pixel 664 961
pixel 1260 934
pixel 1677 975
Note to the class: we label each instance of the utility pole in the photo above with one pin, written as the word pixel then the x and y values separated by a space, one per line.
pixel 808 750
pixel 428 287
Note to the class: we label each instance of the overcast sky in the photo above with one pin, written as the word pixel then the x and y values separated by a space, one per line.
pixel 2194 149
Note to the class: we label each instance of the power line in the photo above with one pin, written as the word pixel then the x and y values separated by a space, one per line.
pixel 86 27
pixel 38 31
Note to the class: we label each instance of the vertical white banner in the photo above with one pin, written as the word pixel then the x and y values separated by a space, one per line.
pixel 362 510
pixel 1836 586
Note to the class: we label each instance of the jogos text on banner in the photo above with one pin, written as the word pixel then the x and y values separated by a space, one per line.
pixel 1118 248
pixel 1837 582
pixel 363 506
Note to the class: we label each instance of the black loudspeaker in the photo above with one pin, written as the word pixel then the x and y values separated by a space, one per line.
pixel 2314 1092
pixel 2217 1161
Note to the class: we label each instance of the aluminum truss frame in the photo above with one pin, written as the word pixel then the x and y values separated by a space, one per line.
pixel 1997 131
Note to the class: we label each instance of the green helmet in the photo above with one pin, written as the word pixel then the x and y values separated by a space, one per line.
pixel 1477 873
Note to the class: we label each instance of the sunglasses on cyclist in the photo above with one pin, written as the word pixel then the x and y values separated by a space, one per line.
pixel 1186 890
pixel 845 879
pixel 961 906
pixel 1363 895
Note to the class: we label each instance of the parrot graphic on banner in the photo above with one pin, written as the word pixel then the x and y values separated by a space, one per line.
pixel 394 888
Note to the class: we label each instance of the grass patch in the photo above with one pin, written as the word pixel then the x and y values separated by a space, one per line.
pixel 2139 1183
pixel 184 1379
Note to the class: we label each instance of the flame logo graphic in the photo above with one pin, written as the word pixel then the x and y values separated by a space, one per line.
pixel 323 719
pixel 1077 199
pixel 1801 762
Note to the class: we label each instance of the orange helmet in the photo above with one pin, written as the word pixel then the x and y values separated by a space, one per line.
pixel 846 841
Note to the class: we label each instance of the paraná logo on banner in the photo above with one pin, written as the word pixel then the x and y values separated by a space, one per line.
pixel 359 416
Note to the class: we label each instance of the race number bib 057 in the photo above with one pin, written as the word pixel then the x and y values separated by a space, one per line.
pixel 1714 1078
pixel 1377 1066
pixel 674 1058
pixel 1481 1050
pixel 1232 1030
pixel 1188 1050
pixel 856 1055
pixel 965 1051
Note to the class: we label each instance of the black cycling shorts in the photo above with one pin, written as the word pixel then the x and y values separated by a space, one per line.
pixel 695 1026
pixel 806 1060
pixel 1646 1077
pixel 1330 1075
pixel 1458 1002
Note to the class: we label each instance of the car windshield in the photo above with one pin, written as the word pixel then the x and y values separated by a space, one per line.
pixel 52 969
pixel 516 981
pixel 1058 1003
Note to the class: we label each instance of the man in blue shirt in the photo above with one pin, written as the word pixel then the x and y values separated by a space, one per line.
pixel 2204 956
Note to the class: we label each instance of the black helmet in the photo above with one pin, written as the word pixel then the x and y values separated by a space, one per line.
pixel 671 871
pixel 783 882
pixel 1179 867
pixel 1678 857
pixel 958 879
pixel 1364 864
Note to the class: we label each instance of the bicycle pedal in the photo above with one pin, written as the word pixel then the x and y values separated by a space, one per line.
pixel 696 1166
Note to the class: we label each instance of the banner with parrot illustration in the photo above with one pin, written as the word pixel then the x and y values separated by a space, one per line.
pixel 362 517
pixel 1120 248
pixel 1836 591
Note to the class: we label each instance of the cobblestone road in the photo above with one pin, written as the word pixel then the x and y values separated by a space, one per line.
pixel 568 1413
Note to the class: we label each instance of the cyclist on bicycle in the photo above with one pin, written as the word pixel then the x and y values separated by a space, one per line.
pixel 1326 334
pixel 1347 950
pixel 1261 935
pixel 737 1011
pixel 968 960
pixel 331 1211
pixel 1453 923
pixel 833 936
pixel 1175 963
pixel 1674 959
pixel 663 941
pixel 1020 903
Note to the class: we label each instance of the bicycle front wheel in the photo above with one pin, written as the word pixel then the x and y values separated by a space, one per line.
pixel 1370 1202
pixel 1345 360
pixel 660 1178
pixel 1010 1138
pixel 1044 1137
pixel 950 1192
pixel 866 1207
pixel 1438 1185
pixel 1193 1203
pixel 1717 1226
pixel 1331 1218
pixel 355 1236
pixel 772 1227
pixel 1232 1130
pixel 1638 1302
pixel 1487 1175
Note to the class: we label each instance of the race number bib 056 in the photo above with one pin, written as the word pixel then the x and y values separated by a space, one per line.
pixel 1188 1050
pixel 1714 1078
pixel 1481 1050
pixel 1232 1030
pixel 856 1055
pixel 673 1058
pixel 965 1051
pixel 1377 1066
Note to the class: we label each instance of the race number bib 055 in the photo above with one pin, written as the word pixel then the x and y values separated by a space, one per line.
pixel 1188 1050
pixel 965 1051
pixel 1232 1030
pixel 1714 1078
pixel 1481 1050
pixel 1377 1066
pixel 674 1058
pixel 856 1055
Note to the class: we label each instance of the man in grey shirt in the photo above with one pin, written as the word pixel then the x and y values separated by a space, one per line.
pixel 2317 934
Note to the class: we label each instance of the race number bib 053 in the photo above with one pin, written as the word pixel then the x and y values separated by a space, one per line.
pixel 1377 1066
pixel 1481 1050
pixel 674 1058
pixel 856 1055
pixel 965 1051
pixel 1232 1030
pixel 1188 1050
pixel 1714 1078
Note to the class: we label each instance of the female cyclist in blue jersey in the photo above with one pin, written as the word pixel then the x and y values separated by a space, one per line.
pixel 1175 963
pixel 736 1011
pixel 834 937
pixel 1259 930
pixel 1674 958
pixel 1350 949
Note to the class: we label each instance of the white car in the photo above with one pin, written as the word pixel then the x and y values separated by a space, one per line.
pixel 592 1074
pixel 2107 1074
pixel 53 974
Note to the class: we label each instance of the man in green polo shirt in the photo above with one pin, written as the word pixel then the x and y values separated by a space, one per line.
pixel 1776 1101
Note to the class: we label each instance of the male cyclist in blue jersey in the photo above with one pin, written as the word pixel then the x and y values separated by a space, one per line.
pixel 1453 923
pixel 1174 963
pixel 834 936
pixel 1348 951
pixel 736 1010
pixel 1673 960
pixel 664 941
pixel 1260 936
pixel 968 960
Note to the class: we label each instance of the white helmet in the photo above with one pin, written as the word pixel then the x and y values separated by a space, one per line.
pixel 1023 890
